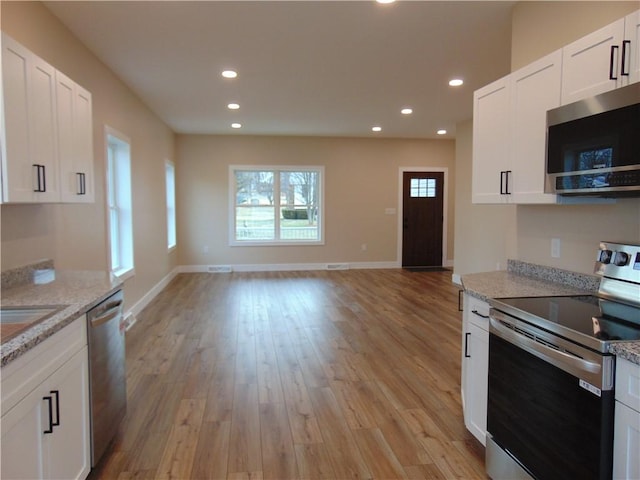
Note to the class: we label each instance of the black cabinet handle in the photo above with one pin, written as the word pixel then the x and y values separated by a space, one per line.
pixel 466 345
pixel 614 49
pixel 49 400
pixel 475 312
pixel 460 307
pixel 42 178
pixel 504 182
pixel 56 394
pixel 82 184
pixel 623 70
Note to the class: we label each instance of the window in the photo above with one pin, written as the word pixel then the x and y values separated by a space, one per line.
pixel 276 205
pixel 119 203
pixel 423 187
pixel 170 176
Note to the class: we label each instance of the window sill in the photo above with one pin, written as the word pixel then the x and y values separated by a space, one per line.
pixel 172 248
pixel 124 273
pixel 276 244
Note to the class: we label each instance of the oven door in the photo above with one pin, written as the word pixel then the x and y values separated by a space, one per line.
pixel 544 420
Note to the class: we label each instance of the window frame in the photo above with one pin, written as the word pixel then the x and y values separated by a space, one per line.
pixel 172 226
pixel 276 169
pixel 119 203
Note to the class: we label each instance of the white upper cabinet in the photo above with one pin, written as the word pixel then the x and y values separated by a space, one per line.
pixel 510 114
pixel 604 60
pixel 534 90
pixel 509 132
pixel 29 157
pixel 632 46
pixel 75 142
pixel 490 175
pixel 46 134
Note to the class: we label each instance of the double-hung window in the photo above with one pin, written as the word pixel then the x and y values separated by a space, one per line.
pixel 119 203
pixel 276 205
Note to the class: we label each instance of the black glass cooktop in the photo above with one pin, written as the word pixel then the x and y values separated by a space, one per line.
pixel 582 316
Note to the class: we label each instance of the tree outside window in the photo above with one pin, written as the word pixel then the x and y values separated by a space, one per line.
pixel 276 205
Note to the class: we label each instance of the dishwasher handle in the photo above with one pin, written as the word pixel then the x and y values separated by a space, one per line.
pixel 112 312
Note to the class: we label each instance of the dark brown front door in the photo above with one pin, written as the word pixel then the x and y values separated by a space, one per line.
pixel 422 207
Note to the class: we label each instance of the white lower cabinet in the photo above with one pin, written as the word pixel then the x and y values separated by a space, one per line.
pixel 626 441
pixel 45 434
pixel 475 365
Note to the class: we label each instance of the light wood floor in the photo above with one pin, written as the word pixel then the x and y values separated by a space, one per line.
pixel 296 375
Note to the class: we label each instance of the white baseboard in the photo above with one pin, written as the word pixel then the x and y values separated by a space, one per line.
pixel 130 315
pixel 456 279
pixel 284 267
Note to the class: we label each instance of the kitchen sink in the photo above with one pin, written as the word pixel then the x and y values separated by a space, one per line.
pixel 15 320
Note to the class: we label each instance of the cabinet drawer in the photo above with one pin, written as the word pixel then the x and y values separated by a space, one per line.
pixel 478 312
pixel 628 383
pixel 28 371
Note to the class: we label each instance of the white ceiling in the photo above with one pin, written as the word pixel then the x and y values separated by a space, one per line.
pixel 329 68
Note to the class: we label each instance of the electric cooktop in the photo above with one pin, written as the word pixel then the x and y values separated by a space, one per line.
pixel 594 321
pixel 588 320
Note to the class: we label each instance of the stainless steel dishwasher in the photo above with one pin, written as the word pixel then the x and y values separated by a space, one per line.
pixel 107 382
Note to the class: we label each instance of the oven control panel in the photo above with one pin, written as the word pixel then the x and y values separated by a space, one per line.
pixel 618 261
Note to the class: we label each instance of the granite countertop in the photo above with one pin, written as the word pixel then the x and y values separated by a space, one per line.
pixel 503 284
pixel 528 280
pixel 76 291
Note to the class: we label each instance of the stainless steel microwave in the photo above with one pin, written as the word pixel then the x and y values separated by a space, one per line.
pixel 593 145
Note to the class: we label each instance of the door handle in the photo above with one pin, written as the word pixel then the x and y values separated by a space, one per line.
pixel 623 69
pixel 49 400
pixel 466 345
pixel 614 49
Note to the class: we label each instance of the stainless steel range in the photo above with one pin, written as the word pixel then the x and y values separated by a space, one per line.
pixel 551 377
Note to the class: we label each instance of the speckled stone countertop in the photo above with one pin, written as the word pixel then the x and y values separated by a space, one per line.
pixel 76 291
pixel 529 280
pixel 627 350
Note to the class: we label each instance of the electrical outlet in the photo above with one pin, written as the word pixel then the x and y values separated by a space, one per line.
pixel 205 249
pixel 555 248
pixel 363 247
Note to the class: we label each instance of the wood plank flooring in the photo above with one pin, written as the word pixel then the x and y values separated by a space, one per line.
pixel 296 375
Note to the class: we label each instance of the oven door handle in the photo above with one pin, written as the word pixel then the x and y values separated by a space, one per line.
pixel 555 357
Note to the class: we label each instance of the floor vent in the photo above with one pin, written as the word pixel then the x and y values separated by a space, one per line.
pixel 220 269
pixel 337 266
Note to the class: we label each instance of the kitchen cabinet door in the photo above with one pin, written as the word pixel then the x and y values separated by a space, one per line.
pixel 534 90
pixel 30 163
pixel 626 443
pixel 592 65
pixel 632 37
pixel 67 450
pixel 39 443
pixel 75 140
pixel 21 445
pixel 475 366
pixel 491 175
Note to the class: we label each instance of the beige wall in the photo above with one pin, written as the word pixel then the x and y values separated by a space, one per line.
pixel 484 234
pixel 74 236
pixel 539 28
pixel 361 181
pixel 527 236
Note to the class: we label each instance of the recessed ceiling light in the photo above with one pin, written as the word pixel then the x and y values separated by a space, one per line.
pixel 406 111
pixel 233 106
pixel 236 125
pixel 229 74
pixel 456 82
pixel 376 129
pixel 442 131
pixel 385 1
